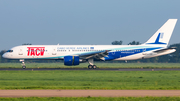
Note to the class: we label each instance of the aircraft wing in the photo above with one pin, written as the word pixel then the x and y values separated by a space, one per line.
pixel 96 55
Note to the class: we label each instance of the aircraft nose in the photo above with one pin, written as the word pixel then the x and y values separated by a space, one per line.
pixel 4 55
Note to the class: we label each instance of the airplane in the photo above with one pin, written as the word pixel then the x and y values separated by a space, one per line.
pixel 76 54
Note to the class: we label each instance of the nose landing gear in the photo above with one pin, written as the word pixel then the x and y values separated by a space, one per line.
pixel 23 64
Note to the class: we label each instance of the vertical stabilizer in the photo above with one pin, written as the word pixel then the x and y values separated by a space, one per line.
pixel 163 35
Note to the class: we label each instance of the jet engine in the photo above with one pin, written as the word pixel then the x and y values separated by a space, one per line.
pixel 71 60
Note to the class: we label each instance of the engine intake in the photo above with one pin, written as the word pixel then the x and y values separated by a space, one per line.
pixel 71 60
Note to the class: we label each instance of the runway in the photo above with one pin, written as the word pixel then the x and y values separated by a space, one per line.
pixel 91 93
pixel 109 69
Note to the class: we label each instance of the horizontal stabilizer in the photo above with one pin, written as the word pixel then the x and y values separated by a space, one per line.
pixel 166 49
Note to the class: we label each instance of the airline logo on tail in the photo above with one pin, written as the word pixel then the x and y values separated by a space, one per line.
pixel 163 34
pixel 160 36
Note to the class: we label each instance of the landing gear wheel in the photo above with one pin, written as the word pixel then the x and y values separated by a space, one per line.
pixel 94 66
pixel 24 67
pixel 90 67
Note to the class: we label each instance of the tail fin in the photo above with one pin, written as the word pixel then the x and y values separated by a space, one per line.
pixel 162 36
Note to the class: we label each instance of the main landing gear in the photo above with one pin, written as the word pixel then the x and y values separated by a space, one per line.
pixel 23 64
pixel 91 65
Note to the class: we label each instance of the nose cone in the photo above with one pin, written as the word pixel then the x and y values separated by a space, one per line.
pixel 4 55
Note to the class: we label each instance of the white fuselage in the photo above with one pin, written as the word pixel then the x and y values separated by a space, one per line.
pixel 119 52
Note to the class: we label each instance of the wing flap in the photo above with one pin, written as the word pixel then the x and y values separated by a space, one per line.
pixel 96 55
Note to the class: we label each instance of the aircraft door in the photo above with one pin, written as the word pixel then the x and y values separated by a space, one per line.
pixel 144 51
pixel 20 51
pixel 54 52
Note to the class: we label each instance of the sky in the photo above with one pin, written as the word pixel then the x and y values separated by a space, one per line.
pixel 84 22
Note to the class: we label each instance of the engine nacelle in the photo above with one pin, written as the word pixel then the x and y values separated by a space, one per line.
pixel 71 60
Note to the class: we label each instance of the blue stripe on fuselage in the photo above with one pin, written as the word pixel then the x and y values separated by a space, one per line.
pixel 124 53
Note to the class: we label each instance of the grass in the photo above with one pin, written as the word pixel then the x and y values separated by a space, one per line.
pixel 92 99
pixel 99 64
pixel 144 80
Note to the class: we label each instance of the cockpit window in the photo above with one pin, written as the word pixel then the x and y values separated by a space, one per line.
pixel 10 51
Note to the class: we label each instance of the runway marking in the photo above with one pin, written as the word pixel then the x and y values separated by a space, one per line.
pixel 86 93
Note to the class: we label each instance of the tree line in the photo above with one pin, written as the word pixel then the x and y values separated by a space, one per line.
pixel 169 58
